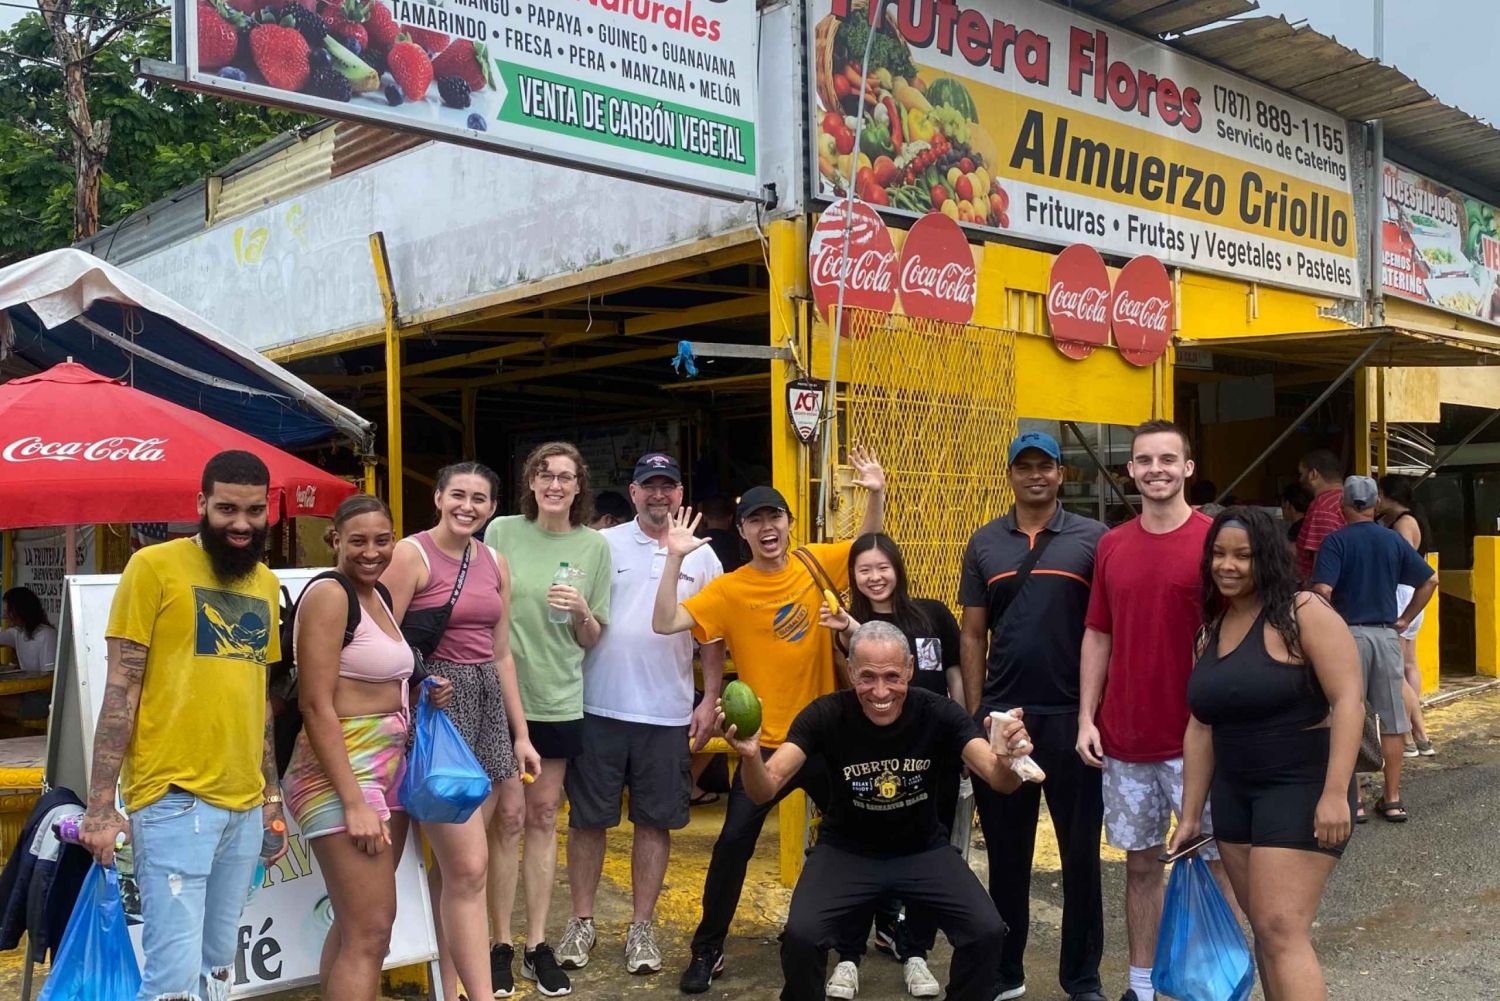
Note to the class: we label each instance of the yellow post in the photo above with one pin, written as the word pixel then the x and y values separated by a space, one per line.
pixel 394 469
pixel 370 474
pixel 1428 638
pixel 788 279
pixel 1362 382
pixel 1486 590
pixel 1382 442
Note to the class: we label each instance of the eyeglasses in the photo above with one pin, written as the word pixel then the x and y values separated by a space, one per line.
pixel 659 489
pixel 566 479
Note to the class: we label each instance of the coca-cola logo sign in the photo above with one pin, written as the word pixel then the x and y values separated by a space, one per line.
pixel 1142 311
pixel 1078 301
pixel 34 449
pixel 938 280
pixel 869 270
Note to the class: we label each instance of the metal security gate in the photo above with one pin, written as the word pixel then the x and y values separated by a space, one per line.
pixel 937 403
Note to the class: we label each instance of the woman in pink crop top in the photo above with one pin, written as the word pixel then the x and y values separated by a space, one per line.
pixel 341 784
pixel 474 654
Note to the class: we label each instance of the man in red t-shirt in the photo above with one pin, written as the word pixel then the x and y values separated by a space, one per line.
pixel 1323 475
pixel 1144 611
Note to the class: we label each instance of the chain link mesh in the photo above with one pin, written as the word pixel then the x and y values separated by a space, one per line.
pixel 936 401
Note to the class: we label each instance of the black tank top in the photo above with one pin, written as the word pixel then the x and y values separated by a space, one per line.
pixel 1249 690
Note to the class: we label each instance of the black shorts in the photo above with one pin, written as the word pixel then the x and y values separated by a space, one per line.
pixel 554 741
pixel 1266 789
pixel 653 761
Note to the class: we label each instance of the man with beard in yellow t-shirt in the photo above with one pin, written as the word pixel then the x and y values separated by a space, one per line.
pixel 767 612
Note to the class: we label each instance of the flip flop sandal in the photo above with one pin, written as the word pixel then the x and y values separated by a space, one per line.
pixel 704 800
pixel 1399 817
pixel 1361 817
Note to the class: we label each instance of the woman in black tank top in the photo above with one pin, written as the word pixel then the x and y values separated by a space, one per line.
pixel 1277 702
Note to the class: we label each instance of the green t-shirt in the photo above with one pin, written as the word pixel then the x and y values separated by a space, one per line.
pixel 549 661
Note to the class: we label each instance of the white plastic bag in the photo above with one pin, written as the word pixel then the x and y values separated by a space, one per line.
pixel 1022 765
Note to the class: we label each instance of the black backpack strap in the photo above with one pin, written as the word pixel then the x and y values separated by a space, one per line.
pixel 1013 585
pixel 351 624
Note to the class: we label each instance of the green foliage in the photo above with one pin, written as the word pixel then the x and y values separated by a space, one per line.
pixel 160 139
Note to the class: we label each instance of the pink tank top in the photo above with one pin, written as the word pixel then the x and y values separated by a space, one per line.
pixel 470 636
pixel 371 655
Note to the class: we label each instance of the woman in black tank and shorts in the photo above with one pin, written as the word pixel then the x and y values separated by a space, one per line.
pixel 1277 703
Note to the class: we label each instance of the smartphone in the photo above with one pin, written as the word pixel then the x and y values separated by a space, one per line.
pixel 1188 848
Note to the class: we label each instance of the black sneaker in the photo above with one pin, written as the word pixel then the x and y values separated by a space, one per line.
pixel 1130 995
pixel 540 965
pixel 1087 996
pixel 700 973
pixel 894 940
pixel 501 979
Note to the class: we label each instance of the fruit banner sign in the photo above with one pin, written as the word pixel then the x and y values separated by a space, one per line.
pixel 938 279
pixel 870 268
pixel 663 90
pixel 1439 246
pixel 1141 314
pixel 1023 117
pixel 1078 301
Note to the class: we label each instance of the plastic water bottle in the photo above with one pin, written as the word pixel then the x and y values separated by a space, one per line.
pixel 270 843
pixel 564 576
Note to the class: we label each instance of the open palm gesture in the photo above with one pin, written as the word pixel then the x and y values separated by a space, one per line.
pixel 867 469
pixel 680 538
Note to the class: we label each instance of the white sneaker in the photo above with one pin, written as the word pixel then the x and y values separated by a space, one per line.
pixel 844 983
pixel 1012 993
pixel 920 983
pixel 641 952
pixel 578 938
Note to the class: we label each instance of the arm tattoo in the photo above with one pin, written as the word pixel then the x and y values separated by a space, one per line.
pixel 268 757
pixel 122 697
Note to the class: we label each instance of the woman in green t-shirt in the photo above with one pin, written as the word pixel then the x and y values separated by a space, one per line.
pixel 560 572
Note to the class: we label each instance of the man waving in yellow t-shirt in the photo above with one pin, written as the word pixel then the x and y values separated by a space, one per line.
pixel 186 729
pixel 767 612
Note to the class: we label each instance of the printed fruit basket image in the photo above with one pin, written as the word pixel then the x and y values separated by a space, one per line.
pixel 921 146
pixel 347 51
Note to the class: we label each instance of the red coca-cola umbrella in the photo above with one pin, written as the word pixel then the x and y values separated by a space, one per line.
pixel 78 448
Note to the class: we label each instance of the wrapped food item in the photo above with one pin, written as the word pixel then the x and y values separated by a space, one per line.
pixel 1022 765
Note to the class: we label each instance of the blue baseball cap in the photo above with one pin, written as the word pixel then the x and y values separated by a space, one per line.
pixel 1039 440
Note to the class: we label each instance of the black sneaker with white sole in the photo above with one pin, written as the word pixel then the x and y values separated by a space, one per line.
pixel 701 971
pixel 541 966
pixel 502 980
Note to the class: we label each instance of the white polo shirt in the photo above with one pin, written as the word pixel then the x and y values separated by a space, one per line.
pixel 633 673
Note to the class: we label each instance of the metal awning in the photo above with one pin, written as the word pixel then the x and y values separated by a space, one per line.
pixel 1405 346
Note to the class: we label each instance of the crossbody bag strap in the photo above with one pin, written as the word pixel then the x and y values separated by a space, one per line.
pixel 1023 572
pixel 463 572
pixel 819 575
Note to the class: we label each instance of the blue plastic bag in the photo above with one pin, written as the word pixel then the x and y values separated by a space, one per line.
pixel 444 782
pixel 1201 954
pixel 95 961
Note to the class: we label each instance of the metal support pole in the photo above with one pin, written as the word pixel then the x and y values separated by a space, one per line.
pixel 1103 469
pixel 1478 429
pixel 1311 409
pixel 395 480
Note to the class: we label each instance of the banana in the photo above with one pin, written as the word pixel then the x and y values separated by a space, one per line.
pixel 833 601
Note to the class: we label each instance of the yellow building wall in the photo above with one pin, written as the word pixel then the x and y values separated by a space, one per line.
pixel 1209 307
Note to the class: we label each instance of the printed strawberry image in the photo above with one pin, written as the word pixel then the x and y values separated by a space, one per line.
pixel 217 38
pixel 432 41
pixel 381 27
pixel 410 68
pixel 281 55
pixel 467 60
pixel 346 22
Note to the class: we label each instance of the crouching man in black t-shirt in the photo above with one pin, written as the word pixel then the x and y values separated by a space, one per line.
pixel 884 748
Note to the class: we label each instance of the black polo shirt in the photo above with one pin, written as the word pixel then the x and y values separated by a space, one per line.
pixel 1035 647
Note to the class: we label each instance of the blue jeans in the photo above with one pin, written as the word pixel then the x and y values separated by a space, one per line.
pixel 193 866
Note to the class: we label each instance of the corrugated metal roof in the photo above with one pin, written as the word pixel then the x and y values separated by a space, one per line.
pixel 301 165
pixel 1325 72
pixel 1162 17
pixel 160 224
pixel 356 146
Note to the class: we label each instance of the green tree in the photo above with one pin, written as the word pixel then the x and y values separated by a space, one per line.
pixel 84 141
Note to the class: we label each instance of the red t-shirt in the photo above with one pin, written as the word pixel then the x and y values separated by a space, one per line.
pixel 1147 595
pixel 1325 515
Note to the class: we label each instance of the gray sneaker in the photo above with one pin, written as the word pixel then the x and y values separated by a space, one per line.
pixel 578 938
pixel 641 952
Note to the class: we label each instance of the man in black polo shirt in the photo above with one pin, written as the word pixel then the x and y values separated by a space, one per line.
pixel 1025 592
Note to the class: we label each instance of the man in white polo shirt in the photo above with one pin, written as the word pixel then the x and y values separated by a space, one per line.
pixel 640 726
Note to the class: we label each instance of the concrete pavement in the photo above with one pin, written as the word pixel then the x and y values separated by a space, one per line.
pixel 1409 913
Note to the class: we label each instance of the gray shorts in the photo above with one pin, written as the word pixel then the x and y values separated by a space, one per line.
pixel 1385 672
pixel 652 761
pixel 1140 798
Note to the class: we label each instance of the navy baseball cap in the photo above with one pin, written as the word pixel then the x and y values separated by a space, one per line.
pixel 1039 440
pixel 758 499
pixel 656 464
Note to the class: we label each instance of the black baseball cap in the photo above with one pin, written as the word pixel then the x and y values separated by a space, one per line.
pixel 656 464
pixel 760 498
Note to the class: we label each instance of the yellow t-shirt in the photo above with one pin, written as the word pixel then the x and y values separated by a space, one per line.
pixel 770 623
pixel 202 719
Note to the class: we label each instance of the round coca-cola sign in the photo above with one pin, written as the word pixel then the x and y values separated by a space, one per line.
pixel 1078 301
pixel 869 271
pixel 937 278
pixel 1142 310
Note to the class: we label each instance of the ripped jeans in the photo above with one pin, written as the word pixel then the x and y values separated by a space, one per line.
pixel 193 865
